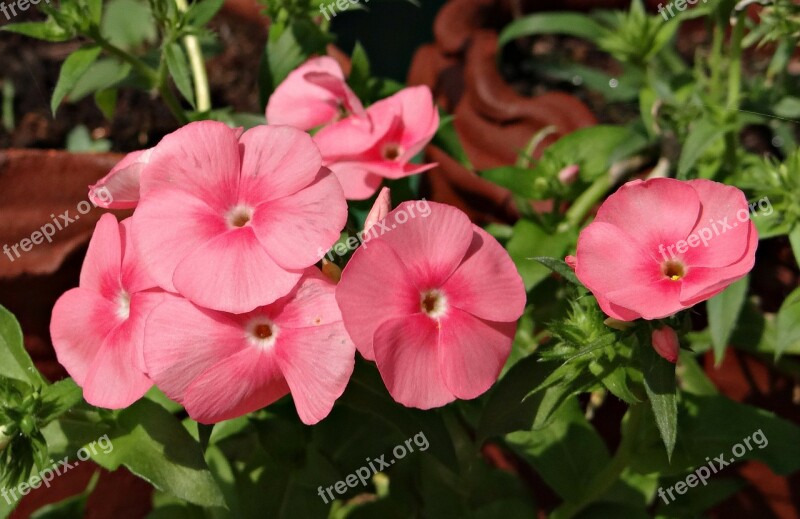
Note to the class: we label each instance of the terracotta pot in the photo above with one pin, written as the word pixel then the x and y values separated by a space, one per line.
pixel 493 121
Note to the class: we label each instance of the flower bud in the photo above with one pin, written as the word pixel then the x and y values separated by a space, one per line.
pixel 665 342
pixel 382 206
pixel 569 174
pixel 331 271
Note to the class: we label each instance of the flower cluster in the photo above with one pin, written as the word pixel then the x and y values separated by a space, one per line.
pixel 212 290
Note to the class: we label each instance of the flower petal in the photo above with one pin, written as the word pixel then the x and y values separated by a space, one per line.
pixel 656 300
pixel 356 181
pixel 134 276
pixel 487 284
pixel 120 188
pixel 407 354
pixel 656 212
pixel 438 234
pixel 472 352
pixel 724 237
pixel 278 161
pixel 215 397
pixel 80 323
pixel 201 158
pixel 374 288
pixel 167 226
pixel 101 267
pixel 244 276
pixel 182 341
pixel 299 228
pixel 317 363
pixel 311 303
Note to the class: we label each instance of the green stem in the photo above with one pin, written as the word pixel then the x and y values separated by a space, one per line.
pixel 715 62
pixel 198 66
pixel 606 478
pixel 734 91
pixel 585 202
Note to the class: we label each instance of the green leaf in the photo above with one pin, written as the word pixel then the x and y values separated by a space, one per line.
pixel 59 398
pixel 723 313
pixel 567 454
pixel 156 447
pixel 448 140
pixel 47 31
pixel 788 324
pixel 659 382
pixel 200 13
pixel 178 67
pixel 788 107
pixel 702 136
pixel 571 24
pixel 72 70
pixel 531 241
pixel 794 240
pixel 103 74
pixel 524 182
pixel 287 52
pixel 360 75
pixel 106 101
pixel 559 267
pixel 596 148
pixel 14 360
pixel 128 24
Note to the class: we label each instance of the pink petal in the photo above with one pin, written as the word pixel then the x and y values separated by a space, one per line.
pixel 701 283
pixel 610 259
pixel 660 211
pixel 311 303
pixel 656 300
pixel 357 183
pixel 80 323
pixel 374 288
pixel 338 89
pixel 167 226
pixel 396 169
pixel 134 276
pixel 114 380
pixel 244 276
pixel 431 239
pixel 278 161
pixel 487 284
pixel 235 386
pixel 616 311
pixel 101 267
pixel 317 363
pixel 182 341
pixel 354 136
pixel 295 228
pixel 120 188
pixel 407 354
pixel 307 104
pixel 721 205
pixel 420 119
pixel 201 158
pixel 472 352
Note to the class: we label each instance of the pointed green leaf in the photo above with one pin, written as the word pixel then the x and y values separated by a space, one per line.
pixel 72 70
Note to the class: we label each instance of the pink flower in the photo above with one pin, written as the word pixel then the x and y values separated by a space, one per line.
pixel 434 302
pixel 98 328
pixel 120 188
pixel 381 207
pixel 665 342
pixel 363 151
pixel 313 94
pixel 221 366
pixel 231 222
pixel 659 246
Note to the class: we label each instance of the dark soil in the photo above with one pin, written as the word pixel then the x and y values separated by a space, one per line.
pixel 141 119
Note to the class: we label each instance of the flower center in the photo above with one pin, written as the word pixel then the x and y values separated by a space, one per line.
pixel 433 303
pixel 392 151
pixel 673 269
pixel 239 216
pixel 262 333
pixel 123 305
